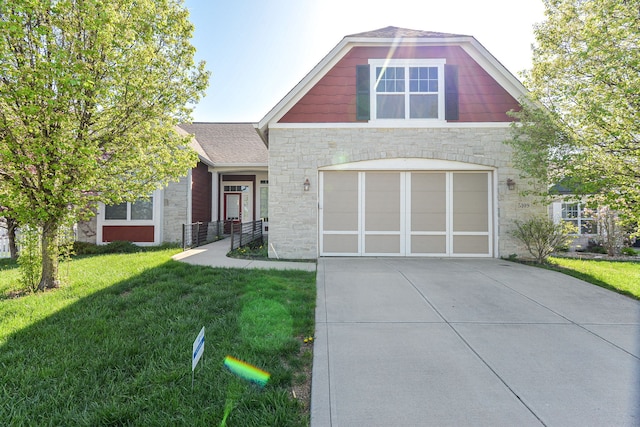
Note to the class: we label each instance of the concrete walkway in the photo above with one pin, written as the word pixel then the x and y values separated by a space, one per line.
pixel 473 342
pixel 215 255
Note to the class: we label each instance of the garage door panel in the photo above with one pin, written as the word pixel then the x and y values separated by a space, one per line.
pixel 383 182
pixel 382 244
pixel 340 192
pixel 470 222
pixel 471 182
pixel 340 243
pixel 428 181
pixel 383 222
pixel 435 245
pixel 472 245
pixel 470 202
pixel 428 222
pixel 382 201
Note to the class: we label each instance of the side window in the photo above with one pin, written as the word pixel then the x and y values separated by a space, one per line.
pixel 264 203
pixel 141 209
pixel 118 211
pixel 576 214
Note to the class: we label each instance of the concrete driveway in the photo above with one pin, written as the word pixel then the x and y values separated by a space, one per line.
pixel 461 342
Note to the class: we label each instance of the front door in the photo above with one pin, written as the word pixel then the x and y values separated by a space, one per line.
pixel 233 207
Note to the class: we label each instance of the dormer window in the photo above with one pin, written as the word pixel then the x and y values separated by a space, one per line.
pixel 407 89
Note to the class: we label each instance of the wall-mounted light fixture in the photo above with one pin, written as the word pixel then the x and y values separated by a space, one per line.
pixel 511 184
pixel 306 184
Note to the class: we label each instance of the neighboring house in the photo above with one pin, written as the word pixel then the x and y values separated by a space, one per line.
pixel 393 146
pixel 566 208
pixel 228 183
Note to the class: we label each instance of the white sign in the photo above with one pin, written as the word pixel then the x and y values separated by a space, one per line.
pixel 198 349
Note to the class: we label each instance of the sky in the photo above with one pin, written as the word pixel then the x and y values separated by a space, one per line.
pixel 258 50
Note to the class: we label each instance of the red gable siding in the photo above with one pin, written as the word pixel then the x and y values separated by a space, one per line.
pixel 200 193
pixel 333 98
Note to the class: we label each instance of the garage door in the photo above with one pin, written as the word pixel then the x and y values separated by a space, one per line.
pixel 401 213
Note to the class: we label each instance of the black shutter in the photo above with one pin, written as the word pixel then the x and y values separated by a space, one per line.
pixel 451 111
pixel 363 101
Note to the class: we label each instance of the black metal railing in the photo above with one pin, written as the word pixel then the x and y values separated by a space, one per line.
pixel 245 233
pixel 201 233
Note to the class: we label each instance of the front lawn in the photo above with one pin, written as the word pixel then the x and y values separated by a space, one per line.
pixel 623 277
pixel 114 347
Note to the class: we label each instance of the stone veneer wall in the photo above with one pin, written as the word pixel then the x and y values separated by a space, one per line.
pixel 175 210
pixel 297 153
pixel 86 230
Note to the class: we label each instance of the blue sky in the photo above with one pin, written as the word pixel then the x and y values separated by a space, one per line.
pixel 257 51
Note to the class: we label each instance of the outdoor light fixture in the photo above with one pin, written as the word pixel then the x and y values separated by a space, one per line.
pixel 511 184
pixel 306 184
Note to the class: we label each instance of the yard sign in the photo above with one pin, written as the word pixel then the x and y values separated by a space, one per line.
pixel 196 354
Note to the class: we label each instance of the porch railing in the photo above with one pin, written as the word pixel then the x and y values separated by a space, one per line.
pixel 201 233
pixel 245 233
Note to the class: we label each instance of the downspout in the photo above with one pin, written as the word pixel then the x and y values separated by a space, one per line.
pixel 189 196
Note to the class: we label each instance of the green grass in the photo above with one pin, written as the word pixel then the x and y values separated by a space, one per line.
pixel 114 346
pixel 623 277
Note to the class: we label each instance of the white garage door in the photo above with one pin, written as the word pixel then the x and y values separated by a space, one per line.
pixel 400 213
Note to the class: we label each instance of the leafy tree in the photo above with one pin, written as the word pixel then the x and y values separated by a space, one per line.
pixel 90 93
pixel 11 225
pixel 586 75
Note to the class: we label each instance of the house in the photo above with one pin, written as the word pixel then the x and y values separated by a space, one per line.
pixel 228 183
pixel 566 207
pixel 392 145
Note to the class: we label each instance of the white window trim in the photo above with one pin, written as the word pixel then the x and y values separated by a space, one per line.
pixel 406 63
pixel 579 219
pixel 155 222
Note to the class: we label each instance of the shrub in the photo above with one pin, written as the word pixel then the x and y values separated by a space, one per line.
pixel 629 252
pixel 85 248
pixel 121 247
pixel 597 249
pixel 541 236
pixel 30 258
pixel 117 247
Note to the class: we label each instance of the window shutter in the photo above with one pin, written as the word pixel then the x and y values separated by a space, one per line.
pixel 451 111
pixel 363 100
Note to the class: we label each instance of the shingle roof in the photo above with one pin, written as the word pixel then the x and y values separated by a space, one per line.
pixel 395 32
pixel 229 143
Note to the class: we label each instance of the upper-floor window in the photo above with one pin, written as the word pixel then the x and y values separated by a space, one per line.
pixel 407 89
pixel 141 209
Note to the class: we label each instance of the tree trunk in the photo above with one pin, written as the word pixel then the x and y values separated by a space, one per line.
pixel 12 226
pixel 49 278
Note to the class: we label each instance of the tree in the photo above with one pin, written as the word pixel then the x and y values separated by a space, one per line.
pixel 90 93
pixel 583 126
pixel 8 222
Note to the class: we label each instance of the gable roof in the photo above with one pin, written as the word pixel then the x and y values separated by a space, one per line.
pixel 228 144
pixel 193 143
pixel 392 36
pixel 396 32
